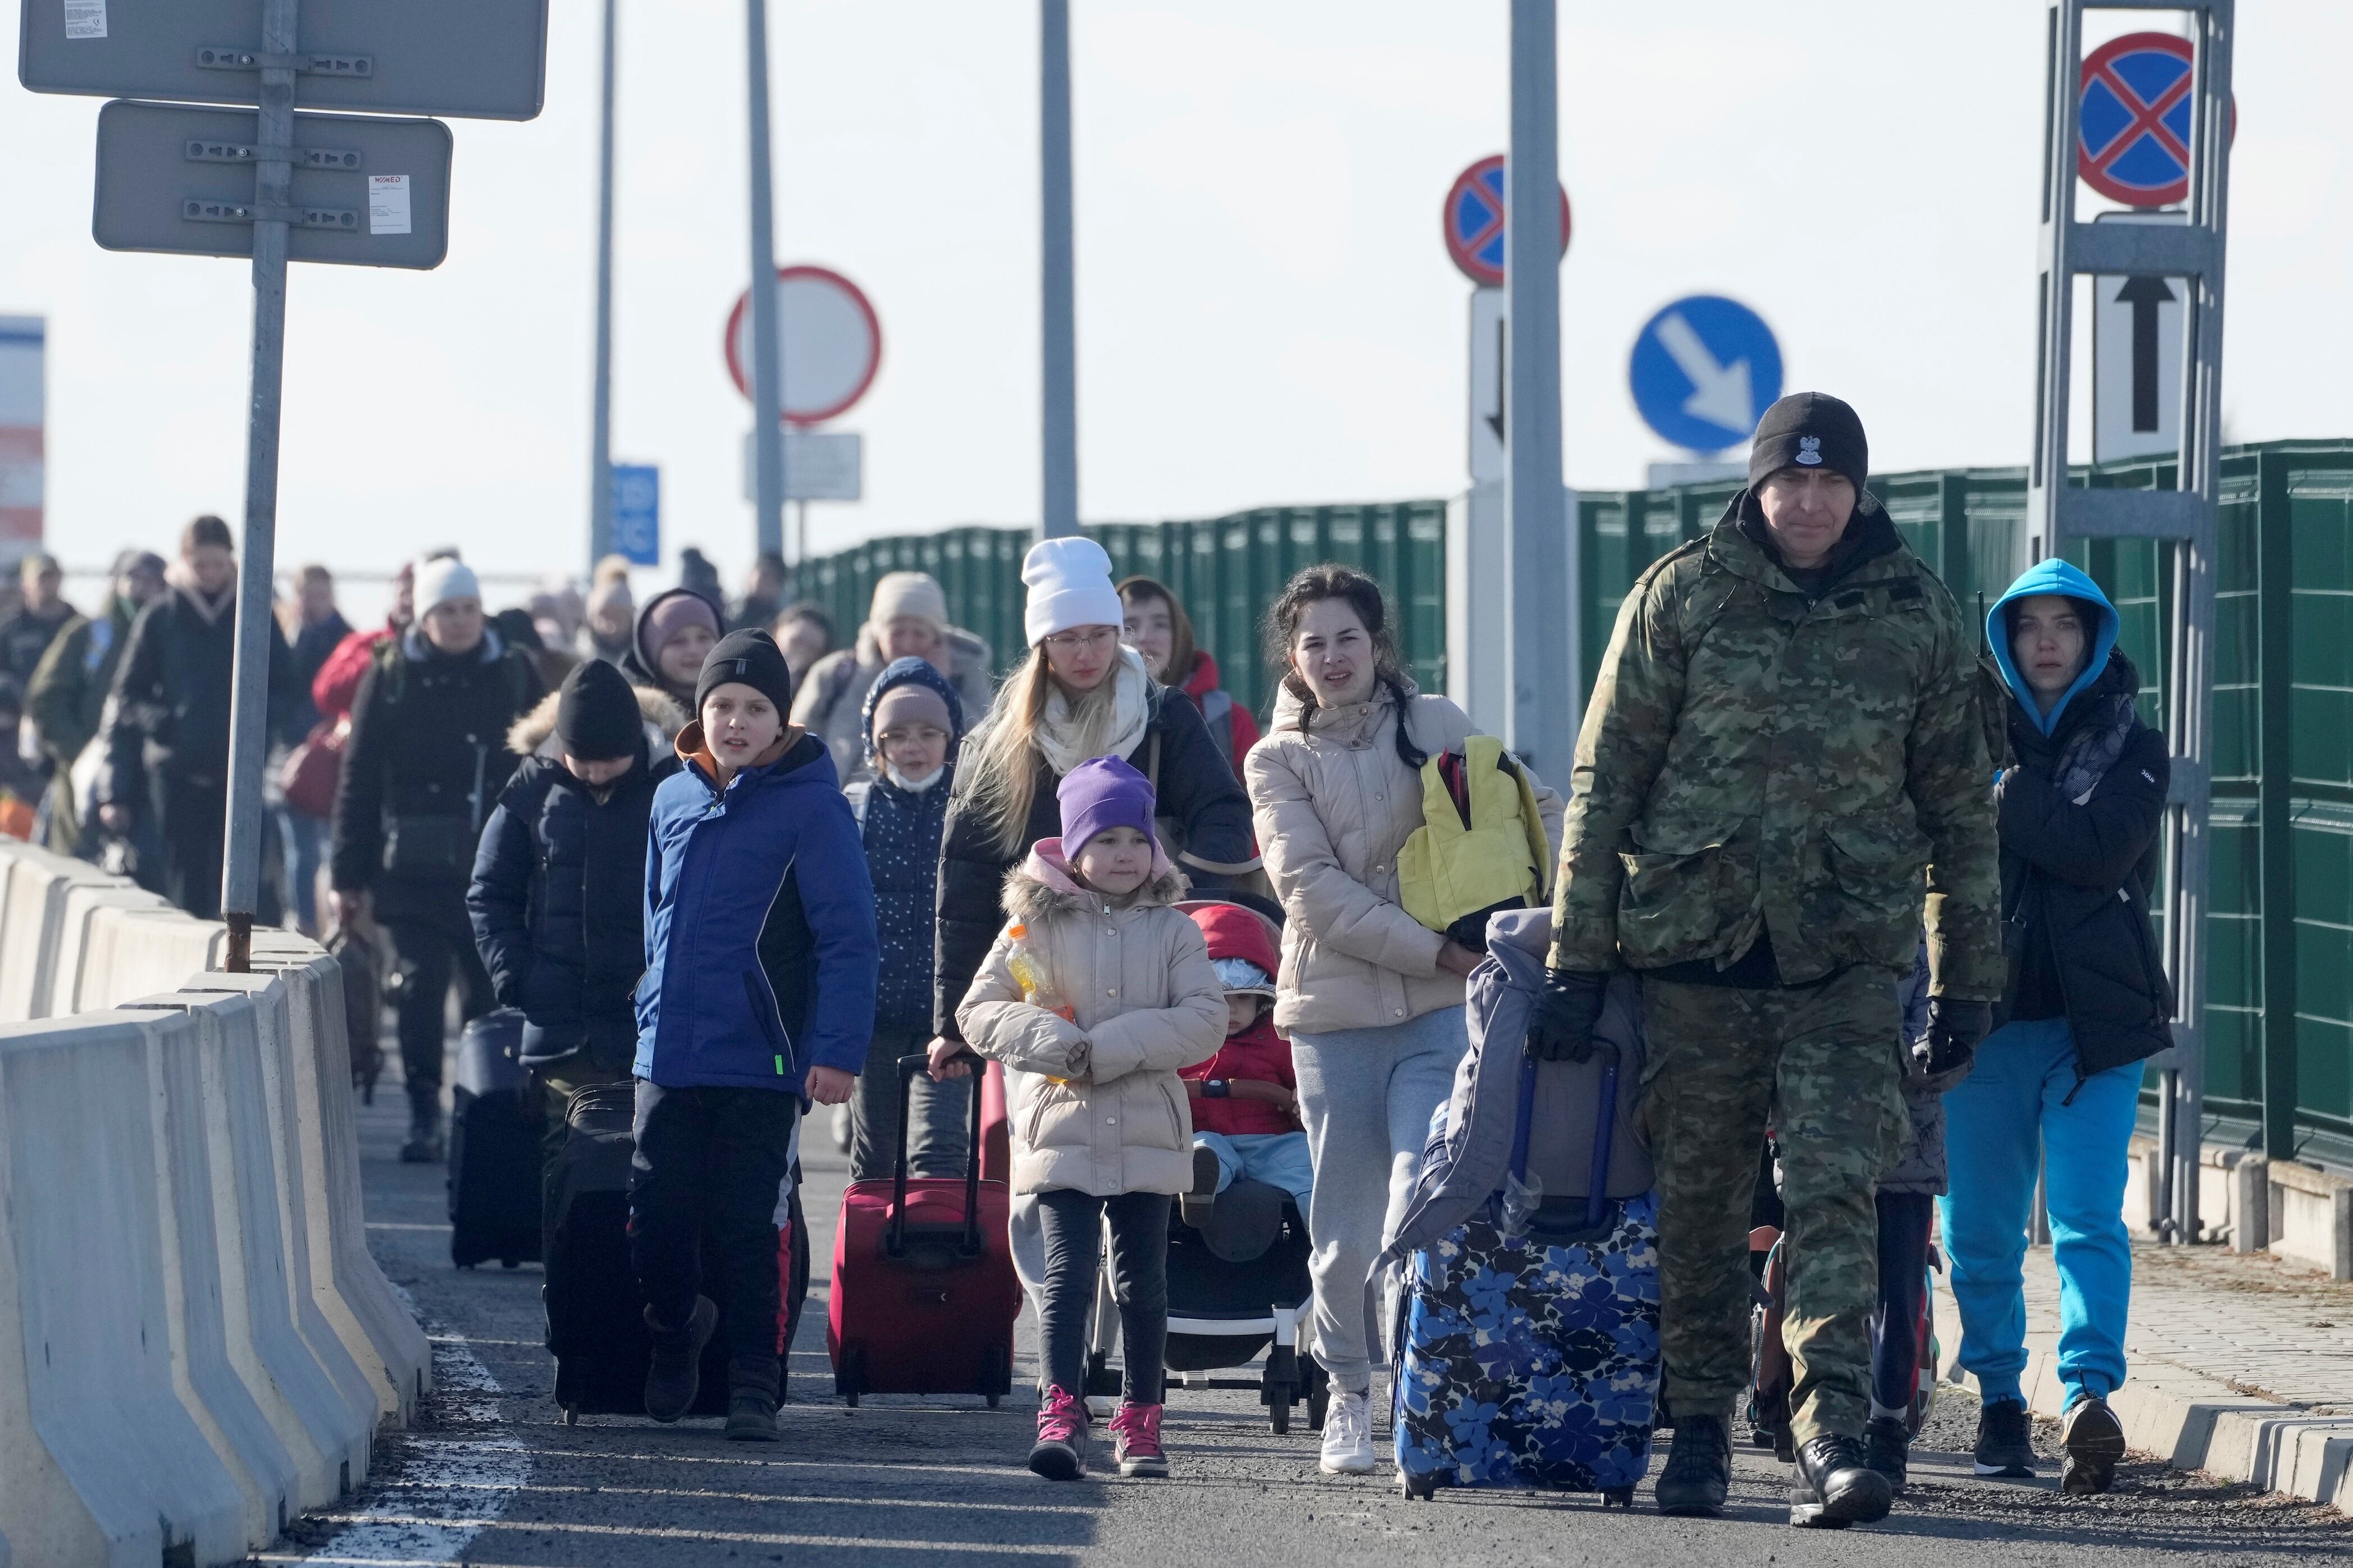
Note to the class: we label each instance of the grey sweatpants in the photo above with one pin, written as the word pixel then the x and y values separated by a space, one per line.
pixel 1366 1097
pixel 940 1141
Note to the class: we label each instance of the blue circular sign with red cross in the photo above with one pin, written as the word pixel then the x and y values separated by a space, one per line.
pixel 1475 222
pixel 2134 129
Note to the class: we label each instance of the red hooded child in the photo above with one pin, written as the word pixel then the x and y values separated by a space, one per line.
pixel 1242 948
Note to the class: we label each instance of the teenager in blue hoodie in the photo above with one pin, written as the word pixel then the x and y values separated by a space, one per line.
pixel 913 724
pixel 2081 799
pixel 758 995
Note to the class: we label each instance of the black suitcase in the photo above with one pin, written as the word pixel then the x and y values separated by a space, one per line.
pixel 594 1327
pixel 494 1149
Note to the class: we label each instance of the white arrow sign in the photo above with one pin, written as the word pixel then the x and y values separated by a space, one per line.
pixel 1720 393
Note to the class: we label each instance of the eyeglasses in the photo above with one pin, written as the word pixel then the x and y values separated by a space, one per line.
pixel 1088 637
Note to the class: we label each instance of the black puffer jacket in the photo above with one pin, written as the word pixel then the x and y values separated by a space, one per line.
pixel 2076 876
pixel 172 690
pixel 1200 799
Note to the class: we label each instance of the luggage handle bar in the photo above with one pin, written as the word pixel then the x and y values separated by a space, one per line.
pixel 894 1240
pixel 1605 1132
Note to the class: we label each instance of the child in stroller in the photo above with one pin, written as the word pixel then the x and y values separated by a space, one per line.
pixel 1244 1100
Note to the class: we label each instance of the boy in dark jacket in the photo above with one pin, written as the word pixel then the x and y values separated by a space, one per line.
pixel 913 724
pixel 558 896
pixel 1244 1100
pixel 761 969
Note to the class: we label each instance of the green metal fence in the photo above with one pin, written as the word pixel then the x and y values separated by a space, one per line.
pixel 2281 920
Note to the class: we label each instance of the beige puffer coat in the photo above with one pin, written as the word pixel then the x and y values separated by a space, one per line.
pixel 1147 1003
pixel 1333 807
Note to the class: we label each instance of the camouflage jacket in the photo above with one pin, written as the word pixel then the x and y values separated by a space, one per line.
pixel 1751 761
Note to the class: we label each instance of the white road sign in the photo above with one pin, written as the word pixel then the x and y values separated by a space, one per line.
pixel 2138 338
pixel 831 339
pixel 1487 423
pixel 819 464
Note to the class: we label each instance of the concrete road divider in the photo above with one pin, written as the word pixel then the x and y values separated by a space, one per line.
pixel 133 952
pixel 70 973
pixel 32 924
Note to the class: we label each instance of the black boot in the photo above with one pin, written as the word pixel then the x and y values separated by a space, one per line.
pixel 1833 1486
pixel 752 1400
pixel 424 1145
pixel 1887 1448
pixel 1698 1471
pixel 675 1374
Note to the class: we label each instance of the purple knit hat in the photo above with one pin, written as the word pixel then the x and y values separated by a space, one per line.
pixel 1100 795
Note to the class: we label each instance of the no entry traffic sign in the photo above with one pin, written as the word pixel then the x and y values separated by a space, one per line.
pixel 1473 222
pixel 2135 117
pixel 831 339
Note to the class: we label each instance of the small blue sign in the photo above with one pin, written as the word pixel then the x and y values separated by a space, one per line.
pixel 1704 371
pixel 637 513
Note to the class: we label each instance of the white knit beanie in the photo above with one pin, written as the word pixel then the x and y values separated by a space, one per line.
pixel 915 593
pixel 441 579
pixel 1070 585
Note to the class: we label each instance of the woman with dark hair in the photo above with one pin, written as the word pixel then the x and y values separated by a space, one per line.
pixel 1372 999
pixel 1158 629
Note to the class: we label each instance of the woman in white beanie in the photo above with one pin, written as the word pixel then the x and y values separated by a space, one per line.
pixel 908 619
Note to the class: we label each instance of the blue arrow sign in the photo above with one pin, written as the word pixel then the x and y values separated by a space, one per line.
pixel 1704 371
pixel 637 512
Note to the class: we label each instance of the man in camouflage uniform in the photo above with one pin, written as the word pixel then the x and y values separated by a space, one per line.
pixel 1782 775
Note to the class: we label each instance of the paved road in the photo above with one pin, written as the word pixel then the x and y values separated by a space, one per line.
pixel 490 1476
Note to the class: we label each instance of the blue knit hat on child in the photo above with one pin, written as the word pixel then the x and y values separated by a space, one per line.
pixel 1100 795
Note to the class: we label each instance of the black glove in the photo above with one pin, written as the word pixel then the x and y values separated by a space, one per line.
pixel 1955 1028
pixel 1561 1027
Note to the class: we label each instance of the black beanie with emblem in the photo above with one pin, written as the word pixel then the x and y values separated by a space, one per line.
pixel 597 714
pixel 1809 430
pixel 749 658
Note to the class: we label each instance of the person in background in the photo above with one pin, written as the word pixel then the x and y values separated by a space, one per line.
pixel 318 628
pixel 763 594
pixel 914 722
pixel 67 700
pixel 1158 629
pixel 422 771
pixel 337 683
pixel 696 574
pixel 612 612
pixel 674 631
pixel 522 633
pixel 2057 1085
pixel 907 619
pixel 21 781
pixel 557 612
pixel 167 743
pixel 27 634
pixel 804 632
pixel 761 970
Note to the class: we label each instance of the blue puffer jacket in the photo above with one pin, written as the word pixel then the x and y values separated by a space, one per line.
pixel 902 830
pixel 760 948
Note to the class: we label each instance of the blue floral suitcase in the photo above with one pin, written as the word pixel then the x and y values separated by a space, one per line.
pixel 1530 1360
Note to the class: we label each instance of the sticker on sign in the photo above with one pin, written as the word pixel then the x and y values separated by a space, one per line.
pixel 388 204
pixel 85 18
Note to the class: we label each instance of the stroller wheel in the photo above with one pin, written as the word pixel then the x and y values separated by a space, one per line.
pixel 1319 1396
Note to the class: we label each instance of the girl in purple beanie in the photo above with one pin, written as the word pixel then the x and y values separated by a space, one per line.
pixel 1093 995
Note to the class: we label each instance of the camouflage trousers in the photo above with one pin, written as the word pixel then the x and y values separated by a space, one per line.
pixel 1818 1064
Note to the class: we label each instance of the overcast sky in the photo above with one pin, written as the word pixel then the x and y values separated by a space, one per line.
pixel 1265 313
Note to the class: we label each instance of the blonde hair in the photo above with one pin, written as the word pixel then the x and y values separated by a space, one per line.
pixel 996 779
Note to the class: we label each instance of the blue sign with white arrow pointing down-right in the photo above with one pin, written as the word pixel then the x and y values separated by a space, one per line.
pixel 1704 371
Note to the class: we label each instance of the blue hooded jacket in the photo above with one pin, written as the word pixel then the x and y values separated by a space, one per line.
pixel 902 829
pixel 2052 576
pixel 761 958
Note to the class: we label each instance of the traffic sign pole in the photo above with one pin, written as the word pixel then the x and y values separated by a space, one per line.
pixel 600 441
pixel 1058 326
pixel 767 354
pixel 1544 605
pixel 248 714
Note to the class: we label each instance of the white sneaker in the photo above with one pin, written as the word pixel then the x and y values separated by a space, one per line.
pixel 1348 1435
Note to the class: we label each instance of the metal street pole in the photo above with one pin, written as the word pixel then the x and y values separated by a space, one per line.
pixel 1540 604
pixel 768 356
pixel 249 720
pixel 600 444
pixel 1058 328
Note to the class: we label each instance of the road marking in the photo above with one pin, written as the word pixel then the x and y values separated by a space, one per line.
pixel 419 1525
pixel 816 1499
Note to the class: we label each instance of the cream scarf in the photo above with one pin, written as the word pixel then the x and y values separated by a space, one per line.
pixel 1058 738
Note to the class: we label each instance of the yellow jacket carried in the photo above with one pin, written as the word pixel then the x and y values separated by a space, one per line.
pixel 1448 870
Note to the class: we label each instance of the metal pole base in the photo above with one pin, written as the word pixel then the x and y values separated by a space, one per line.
pixel 239 958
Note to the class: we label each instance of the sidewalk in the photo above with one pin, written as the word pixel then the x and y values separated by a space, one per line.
pixel 2240 1366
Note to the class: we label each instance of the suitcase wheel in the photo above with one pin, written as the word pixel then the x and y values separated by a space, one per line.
pixel 1319 1396
pixel 1418 1489
pixel 572 1415
pixel 996 1376
pixel 851 1376
pixel 1617 1497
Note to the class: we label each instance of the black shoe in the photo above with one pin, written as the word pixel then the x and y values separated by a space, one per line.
pixel 424 1146
pixel 1698 1470
pixel 2095 1440
pixel 1833 1486
pixel 1886 1448
pixel 2005 1441
pixel 675 1374
pixel 1194 1208
pixel 751 1416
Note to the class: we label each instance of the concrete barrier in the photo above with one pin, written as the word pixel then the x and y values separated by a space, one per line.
pixel 71 973
pixel 101 1460
pixel 32 924
pixel 131 953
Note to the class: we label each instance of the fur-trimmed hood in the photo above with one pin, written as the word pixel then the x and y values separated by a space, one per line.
pixel 534 734
pixel 1044 885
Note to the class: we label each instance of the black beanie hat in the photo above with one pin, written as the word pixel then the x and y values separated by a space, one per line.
pixel 596 716
pixel 1809 430
pixel 748 657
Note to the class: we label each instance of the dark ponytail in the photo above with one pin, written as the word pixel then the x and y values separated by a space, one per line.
pixel 1332 580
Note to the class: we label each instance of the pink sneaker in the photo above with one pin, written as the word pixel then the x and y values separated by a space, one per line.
pixel 1061 1452
pixel 1135 1441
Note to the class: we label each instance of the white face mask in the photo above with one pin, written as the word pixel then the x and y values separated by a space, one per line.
pixel 916 787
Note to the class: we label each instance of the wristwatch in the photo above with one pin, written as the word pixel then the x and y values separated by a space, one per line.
pixel 1216 1089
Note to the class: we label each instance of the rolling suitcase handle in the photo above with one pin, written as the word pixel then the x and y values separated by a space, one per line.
pixel 895 1241
pixel 1605 1132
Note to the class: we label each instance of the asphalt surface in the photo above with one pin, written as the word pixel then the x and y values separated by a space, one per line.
pixel 490 1475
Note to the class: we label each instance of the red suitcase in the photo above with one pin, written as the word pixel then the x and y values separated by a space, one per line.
pixel 924 1289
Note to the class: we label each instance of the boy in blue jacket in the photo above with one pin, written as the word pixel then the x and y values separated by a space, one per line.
pixel 761 967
